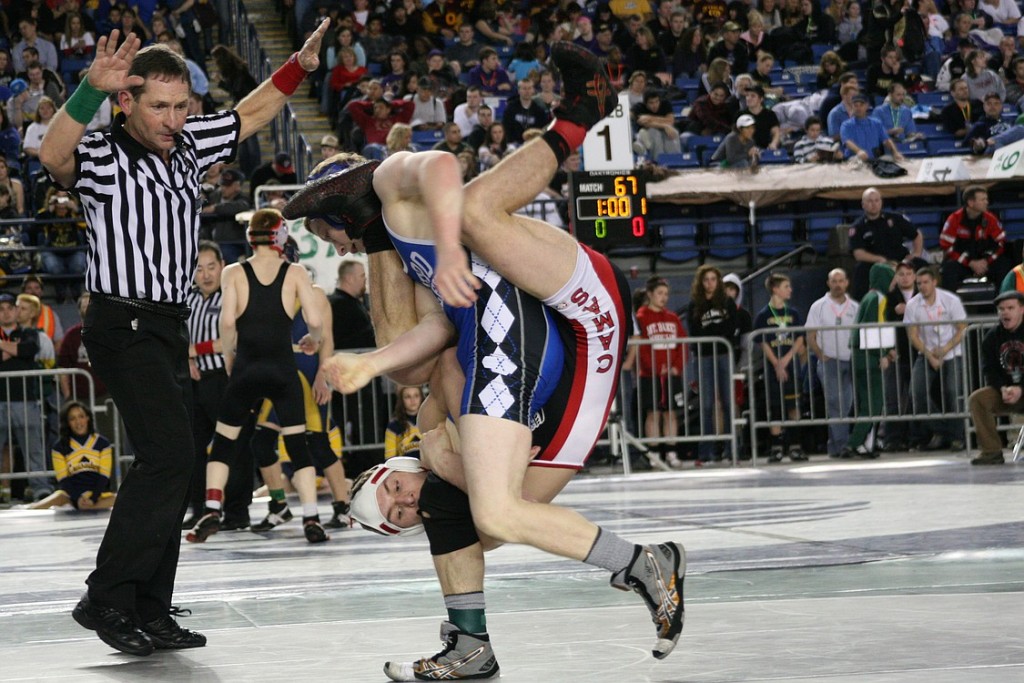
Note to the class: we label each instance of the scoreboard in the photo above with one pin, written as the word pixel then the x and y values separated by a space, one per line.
pixel 608 208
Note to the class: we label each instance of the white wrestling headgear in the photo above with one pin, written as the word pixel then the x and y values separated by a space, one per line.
pixel 364 508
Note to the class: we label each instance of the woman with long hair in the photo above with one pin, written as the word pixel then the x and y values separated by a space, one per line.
pixel 37 129
pixel 712 313
pixel 495 146
pixel 402 435
pixel 830 68
pixel 76 42
pixel 398 62
pixel 755 34
pixel 690 58
pixel 719 71
pixel 83 460
pixel 645 54
pixel 236 79
pixel 980 79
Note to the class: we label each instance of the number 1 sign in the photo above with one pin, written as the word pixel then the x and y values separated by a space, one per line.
pixel 609 145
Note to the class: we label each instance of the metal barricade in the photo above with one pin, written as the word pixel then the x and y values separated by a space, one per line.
pixel 699 398
pixel 29 411
pixel 913 399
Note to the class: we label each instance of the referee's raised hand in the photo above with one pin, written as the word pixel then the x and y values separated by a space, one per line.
pixel 109 70
pixel 309 55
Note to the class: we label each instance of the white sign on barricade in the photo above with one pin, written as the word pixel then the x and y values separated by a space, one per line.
pixel 1006 161
pixel 942 170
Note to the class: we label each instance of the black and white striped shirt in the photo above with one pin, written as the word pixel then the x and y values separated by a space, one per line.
pixel 143 213
pixel 204 325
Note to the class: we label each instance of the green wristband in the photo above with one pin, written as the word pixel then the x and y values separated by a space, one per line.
pixel 84 102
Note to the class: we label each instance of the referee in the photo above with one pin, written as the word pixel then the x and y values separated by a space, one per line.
pixel 140 188
pixel 209 380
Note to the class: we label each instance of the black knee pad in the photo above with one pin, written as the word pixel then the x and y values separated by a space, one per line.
pixel 447 518
pixel 298 450
pixel 320 449
pixel 264 446
pixel 222 449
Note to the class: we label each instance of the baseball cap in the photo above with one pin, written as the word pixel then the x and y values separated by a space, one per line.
pixel 230 175
pixel 603 27
pixel 329 141
pixel 730 26
pixel 744 121
pixel 283 162
pixel 435 53
pixel 425 82
pixel 1005 296
pixel 860 97
pixel 6 298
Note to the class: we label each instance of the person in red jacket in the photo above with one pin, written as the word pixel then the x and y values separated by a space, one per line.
pixel 974 243
pixel 661 368
pixel 375 120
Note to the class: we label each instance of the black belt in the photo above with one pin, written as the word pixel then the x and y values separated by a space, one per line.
pixel 177 311
pixel 204 374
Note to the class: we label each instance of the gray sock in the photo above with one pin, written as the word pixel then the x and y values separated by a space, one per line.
pixel 465 601
pixel 610 552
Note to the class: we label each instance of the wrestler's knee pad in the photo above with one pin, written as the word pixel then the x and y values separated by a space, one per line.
pixel 447 518
pixel 298 450
pixel 264 446
pixel 320 449
pixel 222 449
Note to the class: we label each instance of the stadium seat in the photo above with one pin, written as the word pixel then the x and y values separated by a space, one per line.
pixel 727 240
pixel 695 143
pixel 933 99
pixel 775 156
pixel 775 235
pixel 674 160
pixel 1013 222
pixel 425 139
pixel 705 156
pixel 946 147
pixel 913 149
pixel 820 49
pixel 680 242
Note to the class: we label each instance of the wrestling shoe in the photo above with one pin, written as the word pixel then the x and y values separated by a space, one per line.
pixel 114 627
pixel 656 574
pixel 340 519
pixel 796 454
pixel 276 514
pixel 775 454
pixel 587 94
pixel 465 656
pixel 207 526
pixel 314 531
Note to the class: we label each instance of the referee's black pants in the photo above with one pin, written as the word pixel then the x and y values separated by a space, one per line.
pixel 142 357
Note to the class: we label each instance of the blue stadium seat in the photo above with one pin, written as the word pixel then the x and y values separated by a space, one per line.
pixel 727 240
pixel 819 227
pixel 1007 29
pixel 913 149
pixel 775 235
pixel 775 156
pixel 1013 222
pixel 705 156
pixel 946 147
pixel 674 160
pixel 695 143
pixel 425 139
pixel 680 242
pixel 820 49
pixel 933 99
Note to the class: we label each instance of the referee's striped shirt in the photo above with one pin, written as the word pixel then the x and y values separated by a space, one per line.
pixel 143 213
pixel 204 325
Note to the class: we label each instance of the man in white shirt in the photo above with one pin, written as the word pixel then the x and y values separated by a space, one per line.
pixel 466 113
pixel 940 357
pixel 429 112
pixel 832 348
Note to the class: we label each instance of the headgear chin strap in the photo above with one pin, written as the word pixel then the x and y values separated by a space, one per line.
pixel 364 508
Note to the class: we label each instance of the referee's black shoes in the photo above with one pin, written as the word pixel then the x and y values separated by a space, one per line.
pixel 167 635
pixel 115 627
